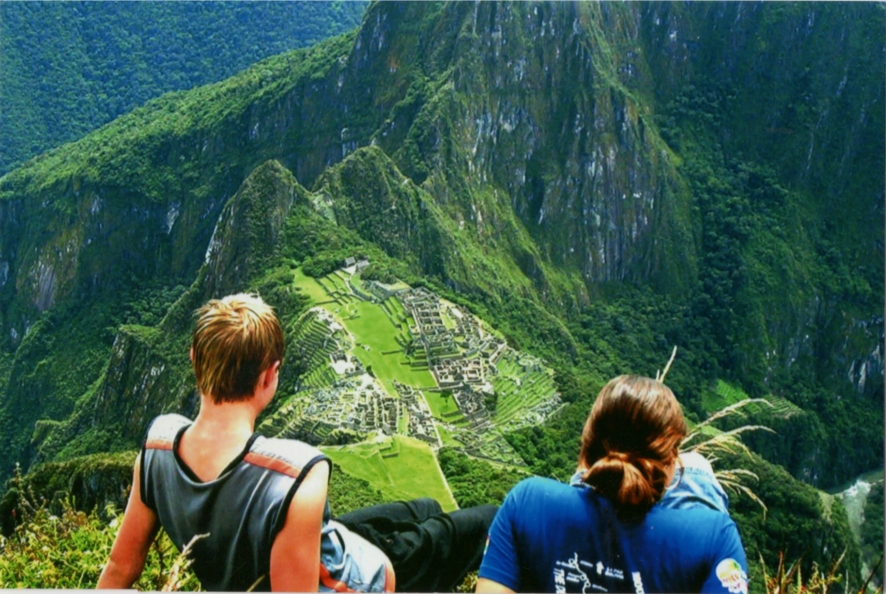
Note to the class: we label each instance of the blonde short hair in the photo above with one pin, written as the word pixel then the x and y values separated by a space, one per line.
pixel 235 340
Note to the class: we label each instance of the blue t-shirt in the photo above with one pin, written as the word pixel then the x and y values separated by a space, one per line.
pixel 552 537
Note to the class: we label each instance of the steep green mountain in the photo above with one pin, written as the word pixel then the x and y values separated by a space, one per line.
pixel 71 67
pixel 147 374
pixel 594 182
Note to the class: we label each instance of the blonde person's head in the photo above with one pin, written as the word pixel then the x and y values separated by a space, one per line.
pixel 235 340
pixel 631 441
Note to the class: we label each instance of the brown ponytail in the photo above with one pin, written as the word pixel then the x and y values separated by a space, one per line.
pixel 629 442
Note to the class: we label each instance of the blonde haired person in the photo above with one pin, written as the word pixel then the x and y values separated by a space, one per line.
pixel 262 503
pixel 616 528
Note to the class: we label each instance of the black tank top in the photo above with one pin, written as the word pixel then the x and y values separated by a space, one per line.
pixel 242 511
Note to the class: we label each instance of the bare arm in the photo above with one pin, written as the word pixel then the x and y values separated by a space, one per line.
pixel 133 541
pixel 487 586
pixel 295 554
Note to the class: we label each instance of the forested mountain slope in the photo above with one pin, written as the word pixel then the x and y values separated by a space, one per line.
pixel 70 67
pixel 597 181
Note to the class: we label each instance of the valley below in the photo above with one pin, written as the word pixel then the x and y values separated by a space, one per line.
pixel 468 218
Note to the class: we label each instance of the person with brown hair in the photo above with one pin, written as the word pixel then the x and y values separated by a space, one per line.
pixel 611 531
pixel 255 508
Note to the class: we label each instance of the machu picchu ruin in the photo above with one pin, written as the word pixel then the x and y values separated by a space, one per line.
pixel 386 360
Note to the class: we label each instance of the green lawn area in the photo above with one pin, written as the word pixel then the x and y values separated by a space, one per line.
pixel 374 329
pixel 370 326
pixel 411 474
pixel 310 287
pixel 441 406
pixel 448 322
pixel 446 436
pixel 403 423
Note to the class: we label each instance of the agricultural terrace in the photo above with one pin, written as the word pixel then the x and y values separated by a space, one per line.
pixel 524 387
pixel 392 360
pixel 728 395
pixel 443 405
pixel 398 467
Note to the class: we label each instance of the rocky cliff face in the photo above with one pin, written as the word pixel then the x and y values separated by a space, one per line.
pixel 553 108
pixel 525 101
pixel 552 120
pixel 248 230
pixel 546 150
pixel 148 371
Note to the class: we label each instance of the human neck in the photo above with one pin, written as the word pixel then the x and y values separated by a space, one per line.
pixel 217 436
pixel 231 421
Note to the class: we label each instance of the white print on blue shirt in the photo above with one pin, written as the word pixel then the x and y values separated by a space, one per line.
pixel 638 582
pixel 576 571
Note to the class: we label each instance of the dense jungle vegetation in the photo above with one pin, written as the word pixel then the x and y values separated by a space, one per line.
pixel 68 68
pixel 600 182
